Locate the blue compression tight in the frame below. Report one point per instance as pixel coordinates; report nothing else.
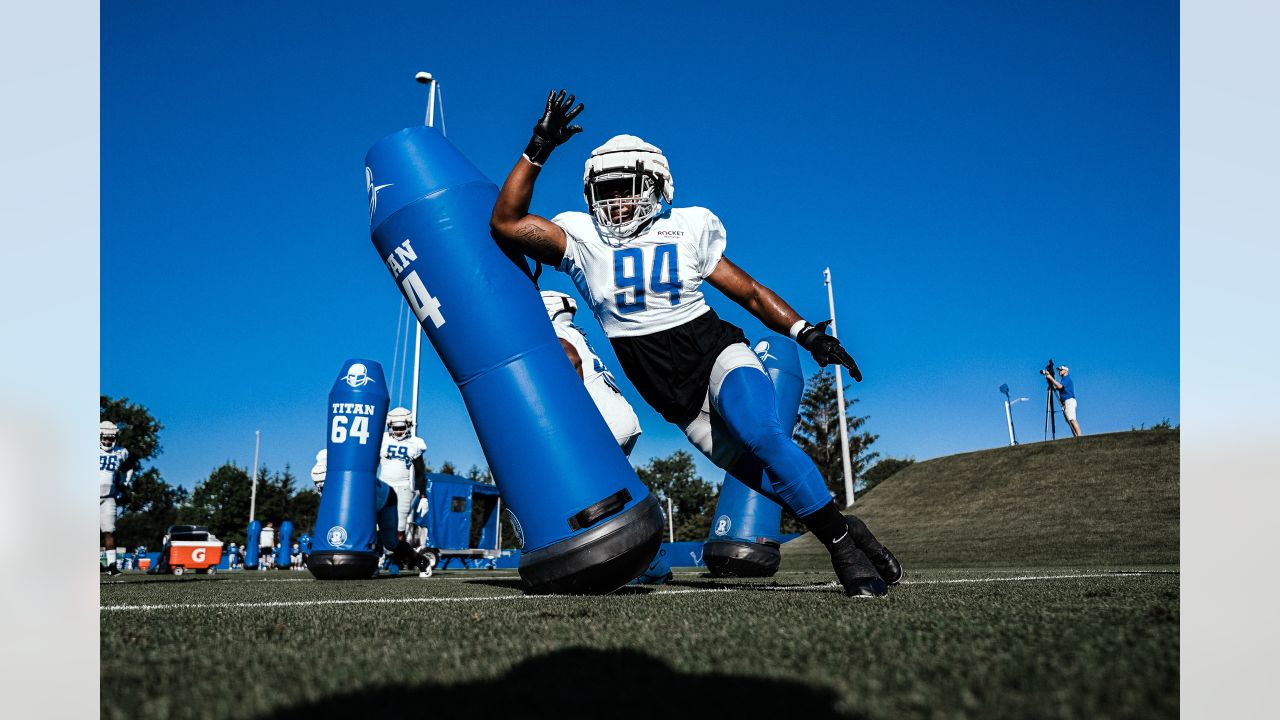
(747, 404)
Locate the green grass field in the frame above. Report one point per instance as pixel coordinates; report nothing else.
(1019, 643)
(1042, 583)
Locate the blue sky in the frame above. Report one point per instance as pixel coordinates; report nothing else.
(990, 186)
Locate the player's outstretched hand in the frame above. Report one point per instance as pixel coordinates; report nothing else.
(553, 128)
(827, 349)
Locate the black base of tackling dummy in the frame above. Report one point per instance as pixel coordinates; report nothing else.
(739, 558)
(600, 560)
(338, 565)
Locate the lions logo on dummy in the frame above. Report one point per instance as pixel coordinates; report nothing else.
(640, 267)
(600, 383)
(111, 479)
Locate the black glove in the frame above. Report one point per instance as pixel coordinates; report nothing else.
(553, 128)
(826, 349)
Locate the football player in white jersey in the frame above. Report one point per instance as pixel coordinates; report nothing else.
(640, 266)
(600, 384)
(403, 469)
(111, 478)
(320, 469)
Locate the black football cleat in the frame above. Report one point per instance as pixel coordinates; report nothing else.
(887, 566)
(113, 571)
(856, 573)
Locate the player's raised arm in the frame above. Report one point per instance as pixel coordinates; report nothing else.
(511, 221)
(769, 308)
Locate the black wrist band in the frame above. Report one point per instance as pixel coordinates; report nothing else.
(538, 150)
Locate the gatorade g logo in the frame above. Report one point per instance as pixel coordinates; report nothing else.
(337, 536)
(357, 375)
(515, 524)
(722, 525)
(197, 555)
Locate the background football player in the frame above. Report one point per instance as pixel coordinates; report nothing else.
(600, 383)
(112, 477)
(640, 266)
(403, 470)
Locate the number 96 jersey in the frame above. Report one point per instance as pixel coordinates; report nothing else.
(651, 282)
(109, 464)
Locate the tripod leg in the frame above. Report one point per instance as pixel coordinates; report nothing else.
(1053, 416)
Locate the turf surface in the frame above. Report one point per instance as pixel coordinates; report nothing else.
(987, 643)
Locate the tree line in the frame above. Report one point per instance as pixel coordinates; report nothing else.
(220, 502)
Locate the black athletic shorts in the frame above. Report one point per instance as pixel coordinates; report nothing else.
(672, 368)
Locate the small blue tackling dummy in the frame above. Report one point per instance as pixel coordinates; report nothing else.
(745, 528)
(345, 546)
(251, 545)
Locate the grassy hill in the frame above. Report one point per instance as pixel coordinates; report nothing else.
(1097, 500)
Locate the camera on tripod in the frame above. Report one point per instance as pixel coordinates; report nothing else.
(1050, 419)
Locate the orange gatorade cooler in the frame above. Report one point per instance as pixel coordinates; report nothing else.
(144, 563)
(199, 555)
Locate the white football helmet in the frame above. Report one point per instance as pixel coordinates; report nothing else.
(399, 423)
(107, 432)
(320, 469)
(557, 303)
(625, 181)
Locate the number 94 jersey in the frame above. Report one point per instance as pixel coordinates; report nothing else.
(650, 283)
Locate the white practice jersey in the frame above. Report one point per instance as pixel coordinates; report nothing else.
(109, 464)
(600, 384)
(652, 282)
(396, 467)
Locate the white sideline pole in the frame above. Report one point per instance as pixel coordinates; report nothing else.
(497, 545)
(426, 78)
(844, 427)
(253, 488)
(671, 522)
(1008, 418)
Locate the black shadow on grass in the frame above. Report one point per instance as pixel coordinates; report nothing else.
(585, 682)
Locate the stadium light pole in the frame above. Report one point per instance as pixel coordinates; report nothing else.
(253, 487)
(427, 79)
(844, 426)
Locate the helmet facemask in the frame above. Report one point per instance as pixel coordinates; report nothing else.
(107, 433)
(399, 423)
(623, 201)
(625, 182)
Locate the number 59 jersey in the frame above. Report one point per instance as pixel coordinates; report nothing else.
(396, 466)
(650, 283)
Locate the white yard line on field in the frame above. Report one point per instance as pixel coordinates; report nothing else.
(655, 593)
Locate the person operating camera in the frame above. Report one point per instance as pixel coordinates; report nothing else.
(1066, 396)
